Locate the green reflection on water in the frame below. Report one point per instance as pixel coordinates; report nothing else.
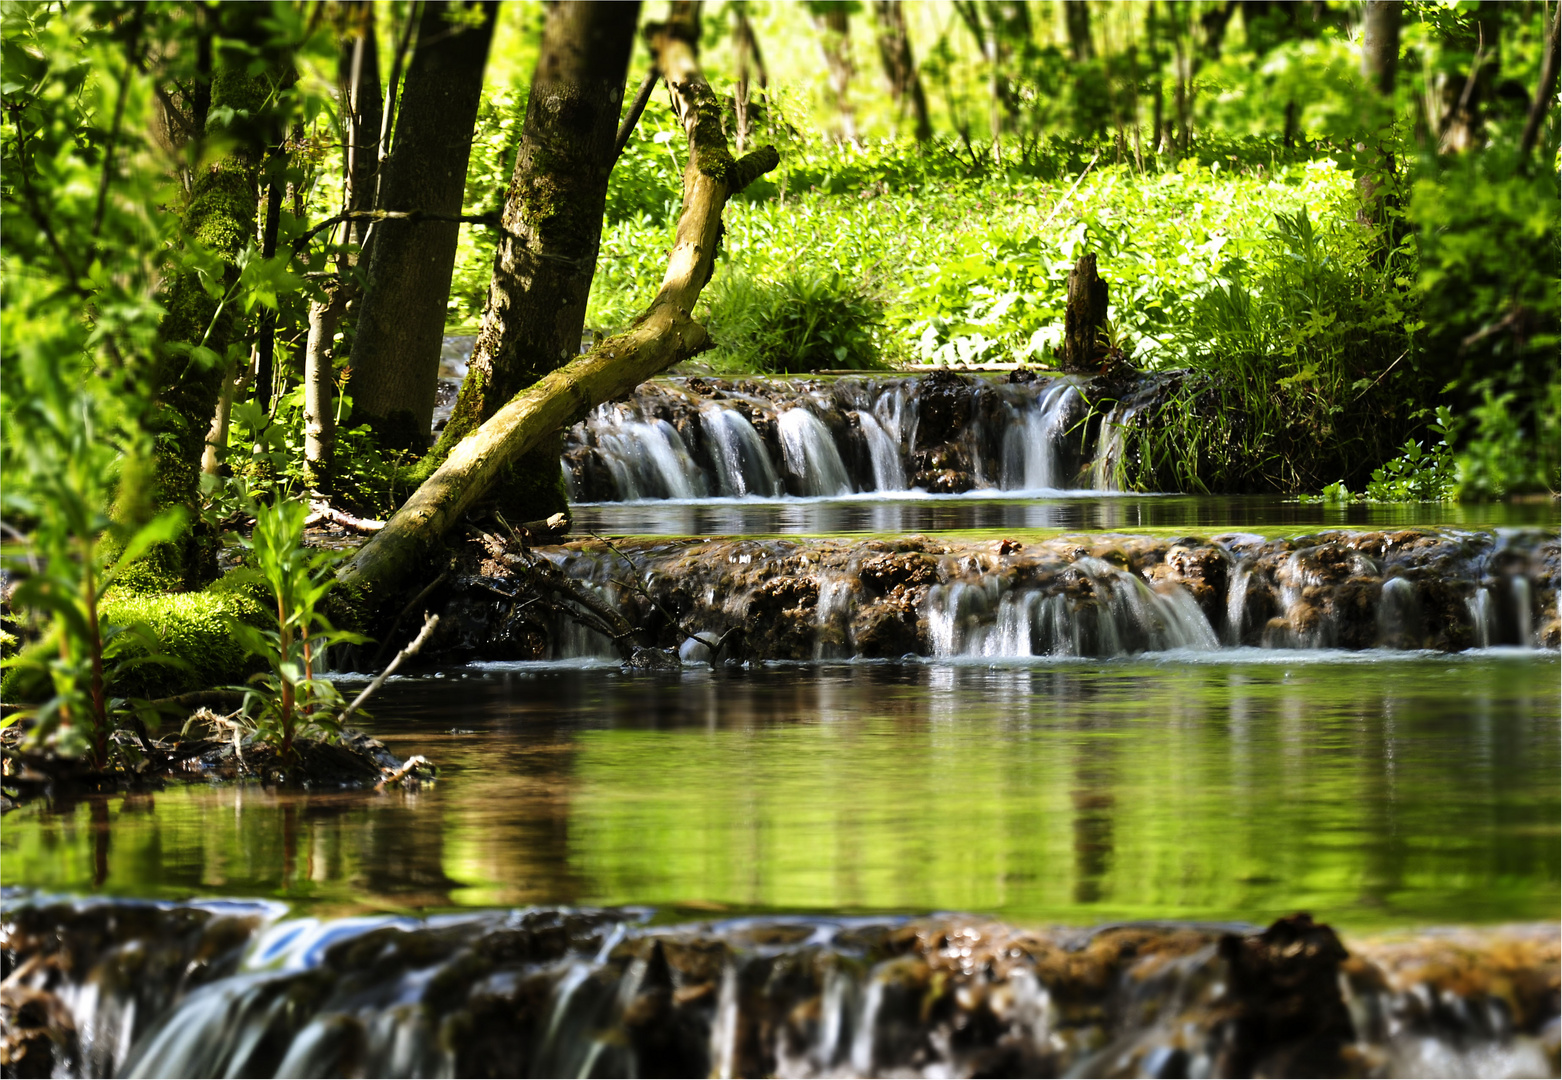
(1373, 792)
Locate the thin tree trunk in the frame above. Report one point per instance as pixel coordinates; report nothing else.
(834, 26)
(1544, 104)
(401, 318)
(662, 336)
(325, 317)
(1465, 123)
(359, 73)
(905, 83)
(547, 254)
(1379, 65)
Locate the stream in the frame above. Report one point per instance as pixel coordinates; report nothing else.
(1006, 775)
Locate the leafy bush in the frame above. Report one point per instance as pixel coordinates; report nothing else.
(803, 322)
(288, 700)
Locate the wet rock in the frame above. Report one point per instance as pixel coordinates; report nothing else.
(882, 573)
(644, 659)
(943, 407)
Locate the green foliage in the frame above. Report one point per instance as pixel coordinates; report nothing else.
(288, 700)
(802, 322)
(59, 470)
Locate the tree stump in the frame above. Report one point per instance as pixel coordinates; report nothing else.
(1084, 317)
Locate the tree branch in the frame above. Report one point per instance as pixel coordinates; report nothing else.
(632, 118)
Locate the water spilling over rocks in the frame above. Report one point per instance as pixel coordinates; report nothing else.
(1071, 596)
(100, 988)
(941, 433)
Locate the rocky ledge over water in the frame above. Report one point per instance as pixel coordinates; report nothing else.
(1083, 595)
(104, 987)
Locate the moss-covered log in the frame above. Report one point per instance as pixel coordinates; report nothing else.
(662, 336)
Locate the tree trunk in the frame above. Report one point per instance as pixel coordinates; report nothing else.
(220, 216)
(325, 316)
(1544, 104)
(547, 255)
(1380, 44)
(363, 112)
(1084, 317)
(662, 336)
(833, 22)
(1465, 122)
(905, 84)
(1379, 64)
(1076, 14)
(401, 318)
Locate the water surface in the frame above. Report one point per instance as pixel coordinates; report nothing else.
(1373, 789)
(996, 511)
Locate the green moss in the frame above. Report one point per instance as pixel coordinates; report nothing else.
(193, 627)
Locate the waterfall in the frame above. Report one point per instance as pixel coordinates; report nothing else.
(1030, 456)
(798, 599)
(743, 466)
(1111, 444)
(889, 474)
(582, 992)
(810, 454)
(690, 439)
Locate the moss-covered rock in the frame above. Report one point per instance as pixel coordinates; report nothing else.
(192, 627)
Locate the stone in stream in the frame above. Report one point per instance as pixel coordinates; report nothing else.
(1087, 595)
(128, 988)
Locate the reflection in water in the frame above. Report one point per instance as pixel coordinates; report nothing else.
(1093, 804)
(1368, 788)
(1084, 511)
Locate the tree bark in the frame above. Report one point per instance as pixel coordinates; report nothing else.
(221, 217)
(1084, 317)
(662, 336)
(401, 318)
(1379, 65)
(358, 73)
(363, 113)
(547, 254)
(905, 84)
(1380, 44)
(325, 316)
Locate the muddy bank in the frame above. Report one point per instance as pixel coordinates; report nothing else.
(1099, 596)
(210, 749)
(110, 987)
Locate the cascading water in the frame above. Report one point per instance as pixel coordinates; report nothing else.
(809, 439)
(742, 465)
(1071, 597)
(544, 992)
(1030, 454)
(810, 454)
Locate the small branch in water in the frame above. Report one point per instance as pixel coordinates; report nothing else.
(409, 766)
(688, 634)
(323, 511)
(410, 651)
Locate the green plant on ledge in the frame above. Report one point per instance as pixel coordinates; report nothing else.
(289, 700)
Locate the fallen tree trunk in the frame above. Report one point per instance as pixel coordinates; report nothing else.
(662, 336)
